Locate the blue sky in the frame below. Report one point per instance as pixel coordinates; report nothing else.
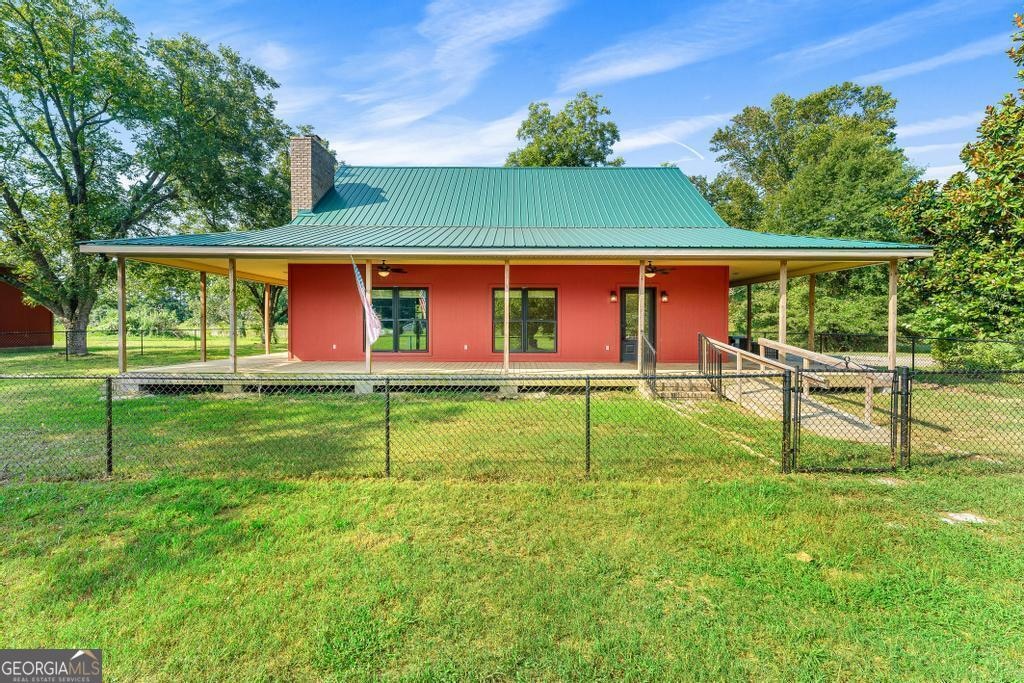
(448, 81)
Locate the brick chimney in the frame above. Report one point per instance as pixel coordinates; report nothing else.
(312, 169)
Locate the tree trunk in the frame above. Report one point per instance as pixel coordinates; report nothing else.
(75, 337)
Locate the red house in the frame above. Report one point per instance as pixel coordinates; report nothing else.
(502, 266)
(22, 324)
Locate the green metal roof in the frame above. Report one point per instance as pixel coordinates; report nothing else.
(512, 198)
(441, 208)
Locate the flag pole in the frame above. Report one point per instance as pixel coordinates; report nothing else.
(369, 297)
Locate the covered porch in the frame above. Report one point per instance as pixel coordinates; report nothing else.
(281, 364)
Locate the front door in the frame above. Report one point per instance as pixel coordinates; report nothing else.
(628, 305)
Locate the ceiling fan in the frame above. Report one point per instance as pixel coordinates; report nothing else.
(650, 270)
(383, 270)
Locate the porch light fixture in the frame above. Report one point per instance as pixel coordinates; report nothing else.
(664, 297)
(613, 297)
(383, 270)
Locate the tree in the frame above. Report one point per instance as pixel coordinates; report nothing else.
(735, 199)
(102, 136)
(578, 135)
(974, 285)
(767, 147)
(824, 165)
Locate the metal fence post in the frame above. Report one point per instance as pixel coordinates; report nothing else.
(67, 346)
(587, 418)
(913, 351)
(787, 414)
(387, 426)
(905, 396)
(110, 426)
(142, 344)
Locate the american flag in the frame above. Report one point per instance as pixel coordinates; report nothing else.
(373, 326)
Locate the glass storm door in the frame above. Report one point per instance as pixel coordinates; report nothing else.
(628, 305)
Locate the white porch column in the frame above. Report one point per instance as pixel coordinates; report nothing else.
(202, 317)
(232, 316)
(369, 296)
(266, 318)
(122, 349)
(641, 318)
(893, 279)
(811, 283)
(750, 316)
(783, 299)
(505, 321)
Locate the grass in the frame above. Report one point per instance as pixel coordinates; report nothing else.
(721, 575)
(233, 542)
(147, 352)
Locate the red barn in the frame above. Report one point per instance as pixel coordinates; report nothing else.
(20, 323)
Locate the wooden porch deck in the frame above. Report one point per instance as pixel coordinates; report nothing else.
(279, 364)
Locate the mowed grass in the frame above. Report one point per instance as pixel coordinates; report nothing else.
(254, 537)
(721, 575)
(149, 351)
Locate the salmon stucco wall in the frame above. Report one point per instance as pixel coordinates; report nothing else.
(325, 317)
(35, 322)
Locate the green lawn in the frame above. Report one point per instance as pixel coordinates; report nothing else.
(721, 575)
(254, 537)
(148, 351)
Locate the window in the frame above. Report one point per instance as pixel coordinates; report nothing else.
(532, 320)
(403, 318)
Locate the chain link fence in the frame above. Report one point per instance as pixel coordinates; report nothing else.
(508, 427)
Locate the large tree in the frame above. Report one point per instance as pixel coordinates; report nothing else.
(827, 165)
(974, 286)
(104, 136)
(578, 135)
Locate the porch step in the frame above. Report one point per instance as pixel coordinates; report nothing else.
(686, 395)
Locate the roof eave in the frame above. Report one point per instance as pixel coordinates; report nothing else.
(836, 253)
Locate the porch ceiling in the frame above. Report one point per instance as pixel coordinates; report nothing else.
(742, 271)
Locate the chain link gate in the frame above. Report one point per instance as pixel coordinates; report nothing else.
(843, 426)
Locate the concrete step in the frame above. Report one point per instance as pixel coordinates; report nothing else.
(686, 395)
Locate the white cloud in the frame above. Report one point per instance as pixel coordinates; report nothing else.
(454, 141)
(941, 172)
(420, 73)
(669, 133)
(698, 37)
(274, 56)
(940, 125)
(979, 48)
(869, 38)
(929, 149)
(293, 100)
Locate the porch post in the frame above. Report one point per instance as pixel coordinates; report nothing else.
(202, 316)
(369, 296)
(122, 351)
(505, 323)
(750, 316)
(893, 278)
(811, 282)
(232, 316)
(783, 296)
(266, 318)
(641, 318)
